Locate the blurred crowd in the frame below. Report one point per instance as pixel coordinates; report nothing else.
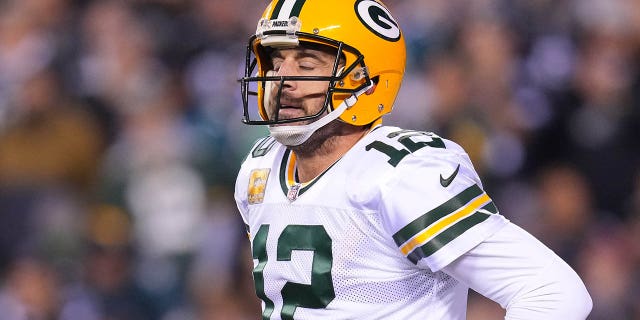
(120, 138)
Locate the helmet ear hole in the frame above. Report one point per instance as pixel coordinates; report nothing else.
(375, 81)
(372, 90)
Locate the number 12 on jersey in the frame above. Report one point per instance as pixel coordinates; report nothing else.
(316, 295)
(404, 137)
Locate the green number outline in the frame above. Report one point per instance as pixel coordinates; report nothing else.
(404, 137)
(260, 253)
(316, 295)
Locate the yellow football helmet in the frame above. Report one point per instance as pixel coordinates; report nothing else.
(365, 36)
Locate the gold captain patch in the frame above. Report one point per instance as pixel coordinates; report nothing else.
(257, 185)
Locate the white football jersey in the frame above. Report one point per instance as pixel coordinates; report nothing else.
(366, 239)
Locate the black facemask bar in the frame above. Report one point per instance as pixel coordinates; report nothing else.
(251, 114)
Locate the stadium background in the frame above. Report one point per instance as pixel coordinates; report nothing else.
(120, 137)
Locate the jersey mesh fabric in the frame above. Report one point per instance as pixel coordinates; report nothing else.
(369, 274)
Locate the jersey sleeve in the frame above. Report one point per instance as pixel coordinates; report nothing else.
(526, 278)
(435, 207)
(242, 189)
(240, 193)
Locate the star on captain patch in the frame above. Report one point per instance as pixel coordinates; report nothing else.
(257, 185)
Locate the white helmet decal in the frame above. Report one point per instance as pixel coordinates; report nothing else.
(377, 19)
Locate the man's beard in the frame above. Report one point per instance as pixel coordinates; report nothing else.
(274, 110)
(321, 139)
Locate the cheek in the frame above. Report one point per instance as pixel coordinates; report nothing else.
(315, 104)
(314, 89)
(316, 95)
(270, 93)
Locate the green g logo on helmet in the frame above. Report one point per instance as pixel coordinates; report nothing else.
(377, 19)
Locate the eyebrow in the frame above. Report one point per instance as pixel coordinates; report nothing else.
(300, 53)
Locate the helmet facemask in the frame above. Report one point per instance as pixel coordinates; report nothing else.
(262, 103)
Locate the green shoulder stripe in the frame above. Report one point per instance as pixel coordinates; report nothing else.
(434, 215)
(446, 236)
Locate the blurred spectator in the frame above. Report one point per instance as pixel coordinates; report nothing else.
(153, 159)
(607, 269)
(107, 288)
(565, 210)
(49, 154)
(218, 281)
(30, 291)
(51, 139)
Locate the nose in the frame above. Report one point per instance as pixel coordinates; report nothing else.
(287, 69)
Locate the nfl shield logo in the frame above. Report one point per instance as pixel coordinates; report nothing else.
(292, 195)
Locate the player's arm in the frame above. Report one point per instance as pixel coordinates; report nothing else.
(524, 276)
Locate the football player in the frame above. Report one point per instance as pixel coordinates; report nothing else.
(350, 219)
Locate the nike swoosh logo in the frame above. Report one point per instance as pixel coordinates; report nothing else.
(446, 182)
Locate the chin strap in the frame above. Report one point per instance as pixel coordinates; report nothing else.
(297, 135)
